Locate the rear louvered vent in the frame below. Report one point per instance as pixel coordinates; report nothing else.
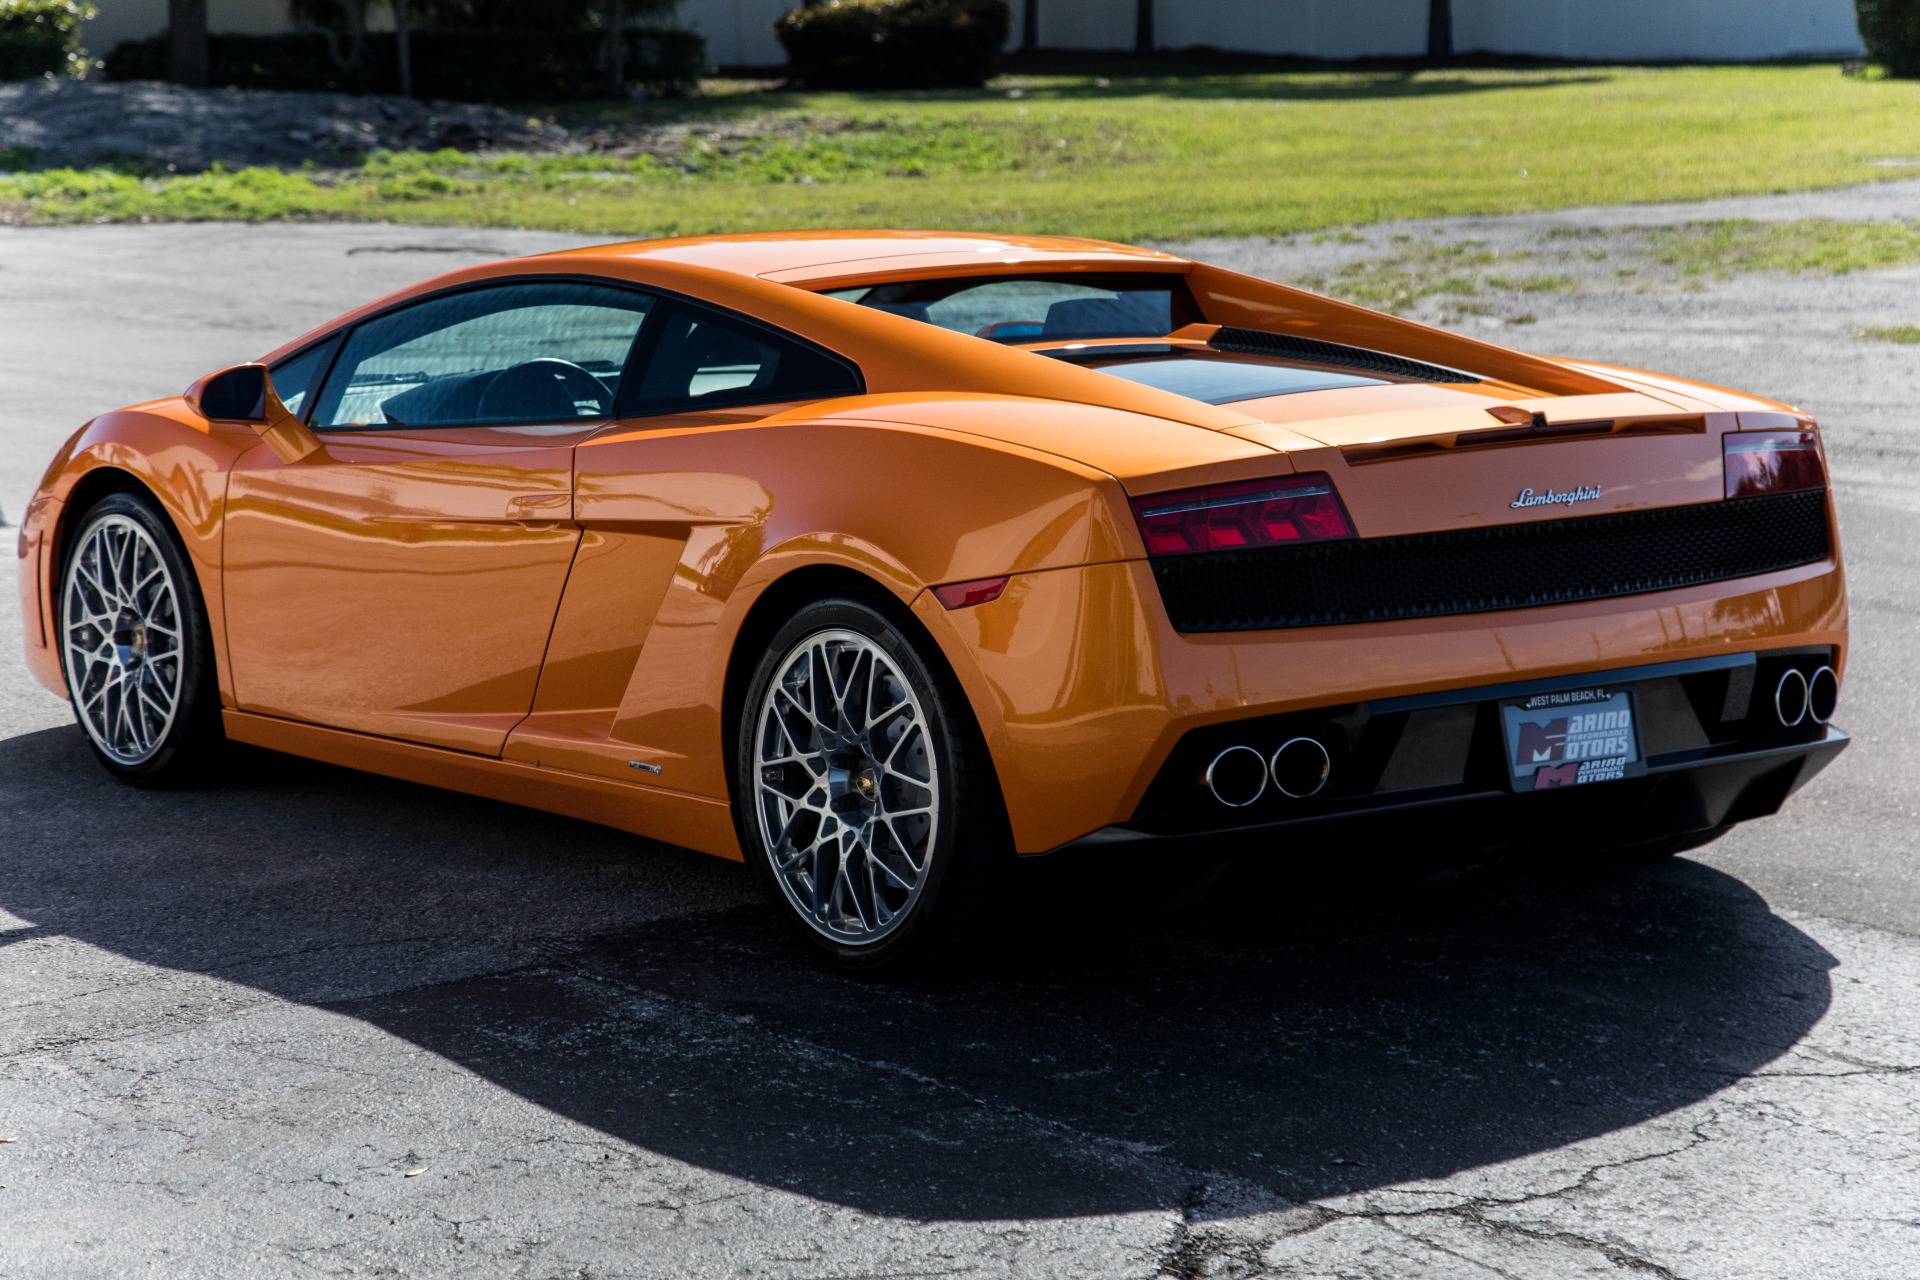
(1508, 566)
(1293, 347)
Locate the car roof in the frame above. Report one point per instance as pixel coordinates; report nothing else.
(816, 259)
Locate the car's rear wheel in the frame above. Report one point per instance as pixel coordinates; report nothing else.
(136, 645)
(867, 802)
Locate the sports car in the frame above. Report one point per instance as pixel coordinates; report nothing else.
(926, 571)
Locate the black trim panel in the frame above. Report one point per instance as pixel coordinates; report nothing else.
(1671, 801)
(1292, 346)
(1494, 568)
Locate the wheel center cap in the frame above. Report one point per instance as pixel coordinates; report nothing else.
(853, 784)
(130, 639)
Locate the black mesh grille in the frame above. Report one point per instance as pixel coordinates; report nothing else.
(1513, 566)
(1294, 347)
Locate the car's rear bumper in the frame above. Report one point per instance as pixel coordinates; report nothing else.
(1088, 697)
(1672, 799)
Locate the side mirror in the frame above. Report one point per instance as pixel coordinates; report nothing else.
(245, 393)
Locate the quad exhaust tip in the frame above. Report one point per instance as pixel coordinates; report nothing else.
(1300, 768)
(1239, 775)
(1823, 694)
(1236, 777)
(1790, 697)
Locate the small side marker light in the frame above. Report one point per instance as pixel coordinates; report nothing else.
(964, 595)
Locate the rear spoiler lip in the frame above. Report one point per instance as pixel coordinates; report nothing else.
(1495, 437)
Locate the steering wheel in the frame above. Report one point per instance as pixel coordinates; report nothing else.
(544, 390)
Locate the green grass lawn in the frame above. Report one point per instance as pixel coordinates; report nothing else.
(1129, 159)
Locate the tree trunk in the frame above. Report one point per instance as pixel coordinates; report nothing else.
(1143, 27)
(347, 60)
(1030, 27)
(187, 42)
(403, 46)
(614, 18)
(1439, 30)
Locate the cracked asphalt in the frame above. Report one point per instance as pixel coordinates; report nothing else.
(305, 1022)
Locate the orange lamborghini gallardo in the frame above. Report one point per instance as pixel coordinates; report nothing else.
(911, 567)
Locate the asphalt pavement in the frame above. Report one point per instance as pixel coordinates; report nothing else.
(309, 1022)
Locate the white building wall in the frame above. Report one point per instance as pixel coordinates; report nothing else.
(740, 32)
(1304, 28)
(119, 20)
(1657, 30)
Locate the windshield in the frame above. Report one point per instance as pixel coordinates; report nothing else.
(1039, 308)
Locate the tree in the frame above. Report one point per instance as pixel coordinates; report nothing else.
(613, 25)
(1439, 30)
(1891, 31)
(1143, 27)
(187, 42)
(403, 46)
(331, 18)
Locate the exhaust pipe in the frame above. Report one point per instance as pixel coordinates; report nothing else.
(1236, 777)
(1300, 768)
(1790, 698)
(1823, 695)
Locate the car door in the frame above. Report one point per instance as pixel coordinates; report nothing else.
(672, 514)
(403, 581)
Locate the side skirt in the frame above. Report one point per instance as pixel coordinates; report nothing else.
(695, 822)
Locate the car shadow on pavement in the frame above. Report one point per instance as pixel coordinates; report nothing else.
(1293, 1042)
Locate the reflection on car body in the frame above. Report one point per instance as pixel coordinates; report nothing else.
(915, 568)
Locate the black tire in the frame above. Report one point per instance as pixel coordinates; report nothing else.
(144, 748)
(953, 920)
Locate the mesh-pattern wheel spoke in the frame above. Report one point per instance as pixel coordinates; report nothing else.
(846, 792)
(121, 628)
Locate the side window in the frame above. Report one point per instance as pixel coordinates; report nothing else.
(701, 358)
(293, 378)
(518, 353)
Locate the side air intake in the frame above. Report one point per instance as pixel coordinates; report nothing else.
(1293, 347)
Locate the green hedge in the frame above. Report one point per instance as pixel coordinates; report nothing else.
(895, 44)
(1891, 30)
(462, 66)
(41, 37)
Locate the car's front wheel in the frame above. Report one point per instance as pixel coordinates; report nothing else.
(867, 802)
(136, 644)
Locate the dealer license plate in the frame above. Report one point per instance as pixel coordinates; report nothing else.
(1571, 738)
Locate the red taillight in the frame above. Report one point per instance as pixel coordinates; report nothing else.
(1772, 462)
(1251, 513)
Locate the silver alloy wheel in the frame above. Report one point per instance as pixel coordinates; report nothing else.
(121, 628)
(847, 789)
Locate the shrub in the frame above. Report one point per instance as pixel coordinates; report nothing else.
(41, 37)
(895, 44)
(460, 65)
(1891, 30)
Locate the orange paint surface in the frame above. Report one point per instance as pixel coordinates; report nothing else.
(553, 614)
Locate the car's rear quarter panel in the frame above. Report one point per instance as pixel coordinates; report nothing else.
(723, 512)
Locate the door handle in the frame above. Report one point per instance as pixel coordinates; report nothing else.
(537, 506)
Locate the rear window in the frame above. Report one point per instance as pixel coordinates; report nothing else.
(1039, 308)
(1213, 378)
